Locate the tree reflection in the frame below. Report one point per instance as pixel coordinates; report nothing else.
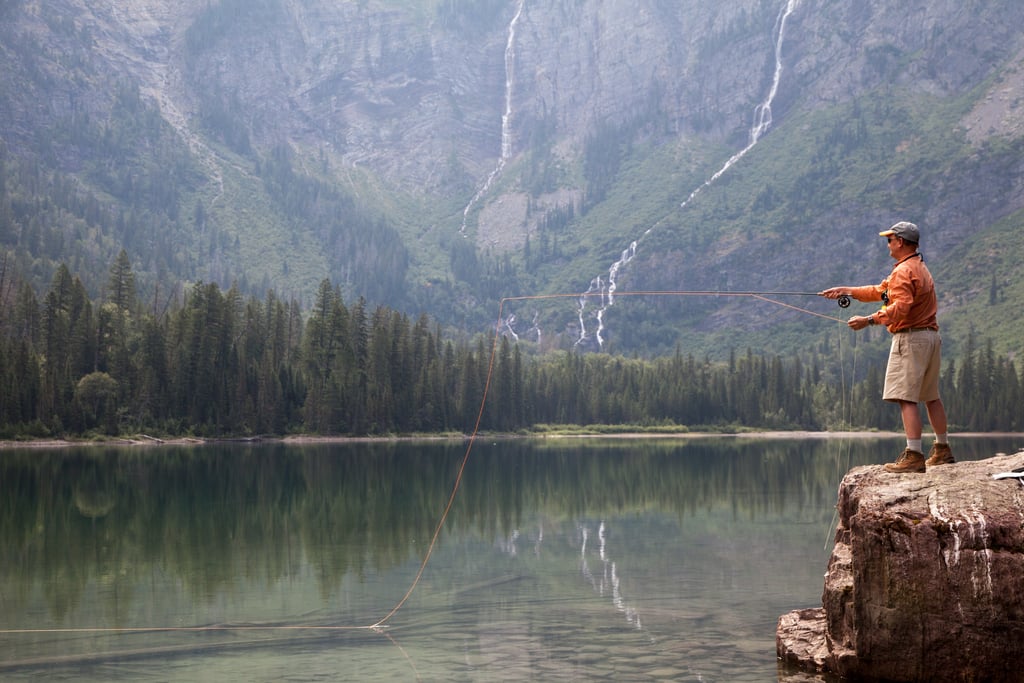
(208, 515)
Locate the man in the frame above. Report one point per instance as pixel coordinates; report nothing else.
(912, 374)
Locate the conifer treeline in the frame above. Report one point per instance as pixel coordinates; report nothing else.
(217, 364)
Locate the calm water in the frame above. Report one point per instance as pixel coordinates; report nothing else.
(560, 560)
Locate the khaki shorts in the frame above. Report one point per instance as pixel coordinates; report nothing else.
(913, 370)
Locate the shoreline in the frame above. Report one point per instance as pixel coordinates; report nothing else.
(150, 441)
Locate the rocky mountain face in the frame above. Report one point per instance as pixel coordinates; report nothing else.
(408, 89)
(457, 119)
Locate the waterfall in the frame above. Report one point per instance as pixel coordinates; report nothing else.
(506, 117)
(763, 111)
(762, 122)
(508, 324)
(510, 74)
(606, 294)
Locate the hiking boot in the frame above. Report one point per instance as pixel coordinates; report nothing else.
(940, 455)
(909, 461)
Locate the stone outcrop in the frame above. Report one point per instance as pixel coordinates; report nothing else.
(924, 581)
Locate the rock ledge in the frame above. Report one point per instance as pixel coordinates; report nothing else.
(925, 579)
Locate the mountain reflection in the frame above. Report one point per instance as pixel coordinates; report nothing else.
(211, 514)
(570, 559)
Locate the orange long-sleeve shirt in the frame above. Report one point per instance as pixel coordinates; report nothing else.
(911, 293)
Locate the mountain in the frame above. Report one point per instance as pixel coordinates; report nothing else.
(440, 155)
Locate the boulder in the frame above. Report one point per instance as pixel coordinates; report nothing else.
(925, 581)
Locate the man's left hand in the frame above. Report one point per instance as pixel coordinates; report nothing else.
(858, 322)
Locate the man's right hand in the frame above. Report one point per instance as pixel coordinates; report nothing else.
(834, 292)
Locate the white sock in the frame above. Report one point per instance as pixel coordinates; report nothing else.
(914, 444)
(942, 438)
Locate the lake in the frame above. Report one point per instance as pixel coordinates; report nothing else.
(560, 559)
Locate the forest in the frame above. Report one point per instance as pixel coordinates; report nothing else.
(215, 363)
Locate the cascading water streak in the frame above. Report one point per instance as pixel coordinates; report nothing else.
(762, 122)
(506, 117)
(763, 111)
(510, 71)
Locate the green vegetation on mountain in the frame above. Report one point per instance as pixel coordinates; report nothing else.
(261, 149)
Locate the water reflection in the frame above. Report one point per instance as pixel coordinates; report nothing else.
(606, 581)
(560, 559)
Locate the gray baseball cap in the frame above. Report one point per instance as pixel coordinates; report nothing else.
(908, 231)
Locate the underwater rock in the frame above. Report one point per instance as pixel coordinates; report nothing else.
(924, 581)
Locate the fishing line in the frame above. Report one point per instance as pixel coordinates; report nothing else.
(843, 301)
(380, 624)
(845, 420)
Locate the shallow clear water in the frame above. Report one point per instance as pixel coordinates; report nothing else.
(560, 560)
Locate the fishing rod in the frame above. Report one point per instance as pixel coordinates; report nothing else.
(843, 300)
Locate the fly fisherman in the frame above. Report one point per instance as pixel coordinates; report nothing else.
(912, 374)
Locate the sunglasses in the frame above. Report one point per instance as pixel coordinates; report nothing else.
(890, 238)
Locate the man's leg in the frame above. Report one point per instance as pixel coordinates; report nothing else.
(911, 421)
(940, 453)
(911, 460)
(936, 416)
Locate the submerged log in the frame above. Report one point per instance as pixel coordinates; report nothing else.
(925, 581)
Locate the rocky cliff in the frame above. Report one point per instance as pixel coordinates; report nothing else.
(407, 88)
(924, 579)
